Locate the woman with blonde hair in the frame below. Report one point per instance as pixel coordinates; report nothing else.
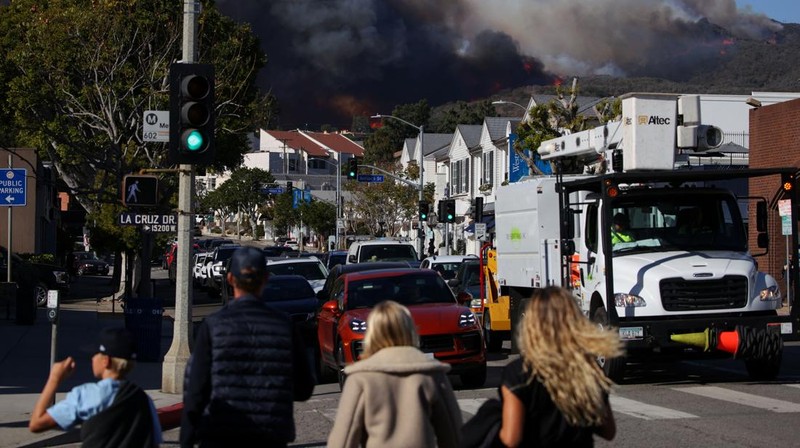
(395, 395)
(556, 394)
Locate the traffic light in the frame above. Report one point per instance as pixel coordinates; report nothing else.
(477, 209)
(450, 210)
(191, 114)
(424, 209)
(787, 182)
(289, 186)
(352, 168)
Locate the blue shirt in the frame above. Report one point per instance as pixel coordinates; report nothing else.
(87, 400)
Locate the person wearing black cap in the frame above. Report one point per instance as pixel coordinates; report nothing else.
(113, 411)
(247, 368)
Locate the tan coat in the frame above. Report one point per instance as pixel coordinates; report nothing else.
(398, 397)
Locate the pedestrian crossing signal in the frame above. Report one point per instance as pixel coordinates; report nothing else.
(139, 190)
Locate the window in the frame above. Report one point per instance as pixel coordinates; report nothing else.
(459, 176)
(488, 168)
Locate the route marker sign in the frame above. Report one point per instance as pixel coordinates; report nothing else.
(13, 187)
(370, 177)
(155, 126)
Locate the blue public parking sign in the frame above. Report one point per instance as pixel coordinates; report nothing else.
(13, 187)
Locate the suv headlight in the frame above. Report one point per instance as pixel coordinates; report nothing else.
(358, 325)
(467, 319)
(626, 300)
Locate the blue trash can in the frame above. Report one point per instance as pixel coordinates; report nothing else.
(143, 320)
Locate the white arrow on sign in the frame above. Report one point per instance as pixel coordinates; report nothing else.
(9, 198)
(146, 227)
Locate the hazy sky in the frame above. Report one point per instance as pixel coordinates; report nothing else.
(786, 11)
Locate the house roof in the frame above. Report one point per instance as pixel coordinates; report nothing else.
(434, 142)
(471, 133)
(497, 126)
(338, 143)
(298, 142)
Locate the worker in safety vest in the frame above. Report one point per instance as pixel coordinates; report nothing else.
(620, 229)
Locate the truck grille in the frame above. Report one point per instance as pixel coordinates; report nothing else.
(728, 292)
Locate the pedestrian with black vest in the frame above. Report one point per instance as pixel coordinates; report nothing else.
(113, 411)
(247, 368)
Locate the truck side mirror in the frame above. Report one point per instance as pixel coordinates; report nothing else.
(761, 217)
(763, 240)
(351, 259)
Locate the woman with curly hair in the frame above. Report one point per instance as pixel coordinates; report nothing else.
(556, 394)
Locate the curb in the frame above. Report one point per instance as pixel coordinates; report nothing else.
(170, 416)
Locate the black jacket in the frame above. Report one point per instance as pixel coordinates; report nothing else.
(128, 422)
(247, 368)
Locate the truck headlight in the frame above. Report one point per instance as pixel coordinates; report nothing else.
(358, 325)
(625, 300)
(770, 294)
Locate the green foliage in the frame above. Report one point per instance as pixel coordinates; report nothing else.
(39, 258)
(391, 202)
(461, 112)
(379, 148)
(78, 76)
(320, 217)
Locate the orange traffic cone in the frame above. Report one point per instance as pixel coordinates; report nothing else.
(728, 341)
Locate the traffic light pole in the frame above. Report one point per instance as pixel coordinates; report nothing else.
(174, 365)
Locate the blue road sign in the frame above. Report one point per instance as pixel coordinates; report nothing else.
(273, 190)
(13, 187)
(370, 177)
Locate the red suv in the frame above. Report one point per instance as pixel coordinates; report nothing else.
(448, 330)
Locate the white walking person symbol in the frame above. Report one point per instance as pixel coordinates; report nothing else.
(132, 190)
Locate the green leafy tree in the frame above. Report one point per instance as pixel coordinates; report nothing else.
(547, 121)
(462, 113)
(383, 208)
(320, 217)
(379, 148)
(78, 76)
(283, 214)
(242, 193)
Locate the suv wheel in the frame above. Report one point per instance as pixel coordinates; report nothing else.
(40, 293)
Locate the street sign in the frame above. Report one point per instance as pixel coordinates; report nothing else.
(155, 126)
(370, 177)
(13, 183)
(154, 222)
(480, 230)
(273, 190)
(140, 190)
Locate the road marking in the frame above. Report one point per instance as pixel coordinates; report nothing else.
(470, 405)
(645, 411)
(732, 396)
(330, 414)
(793, 385)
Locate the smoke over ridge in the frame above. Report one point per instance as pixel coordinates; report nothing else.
(331, 59)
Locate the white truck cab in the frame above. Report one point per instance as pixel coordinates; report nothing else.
(382, 250)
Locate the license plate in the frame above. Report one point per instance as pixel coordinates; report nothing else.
(628, 333)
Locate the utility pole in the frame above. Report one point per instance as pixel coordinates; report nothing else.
(174, 366)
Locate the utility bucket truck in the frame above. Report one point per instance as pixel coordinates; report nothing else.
(675, 275)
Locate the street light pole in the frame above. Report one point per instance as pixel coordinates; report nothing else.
(420, 234)
(338, 166)
(510, 102)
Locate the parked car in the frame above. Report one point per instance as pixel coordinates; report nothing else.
(445, 265)
(277, 251)
(33, 279)
(448, 330)
(467, 285)
(199, 268)
(334, 257)
(217, 269)
(87, 263)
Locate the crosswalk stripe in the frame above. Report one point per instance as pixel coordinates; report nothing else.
(732, 396)
(645, 411)
(470, 405)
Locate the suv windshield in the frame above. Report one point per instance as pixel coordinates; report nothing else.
(407, 289)
(309, 270)
(668, 222)
(388, 252)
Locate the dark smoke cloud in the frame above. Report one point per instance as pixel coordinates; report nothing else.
(331, 59)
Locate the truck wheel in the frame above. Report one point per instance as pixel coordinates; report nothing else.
(614, 368)
(493, 340)
(762, 369)
(474, 378)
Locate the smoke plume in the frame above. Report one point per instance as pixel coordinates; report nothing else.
(331, 59)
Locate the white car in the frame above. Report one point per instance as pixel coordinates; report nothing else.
(382, 250)
(446, 265)
(198, 269)
(311, 268)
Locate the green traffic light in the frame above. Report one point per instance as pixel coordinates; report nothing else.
(193, 140)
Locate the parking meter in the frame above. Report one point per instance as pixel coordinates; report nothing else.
(52, 305)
